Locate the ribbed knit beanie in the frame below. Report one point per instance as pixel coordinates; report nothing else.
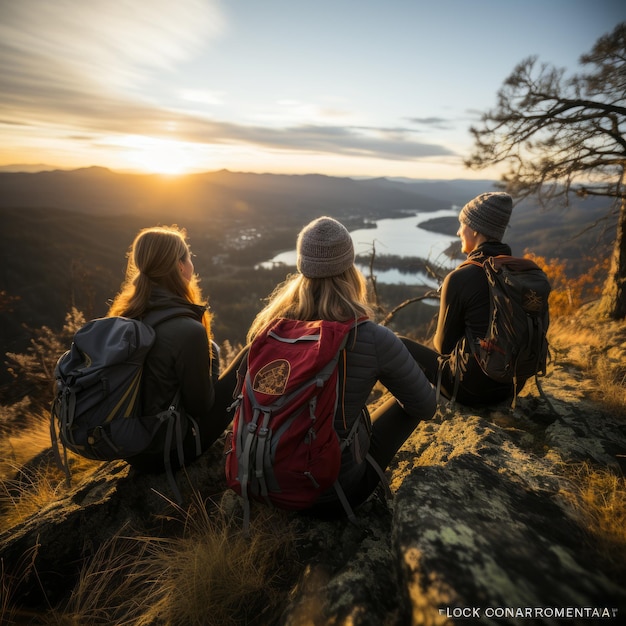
(488, 213)
(324, 249)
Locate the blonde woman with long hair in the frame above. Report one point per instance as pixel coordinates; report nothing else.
(160, 276)
(329, 287)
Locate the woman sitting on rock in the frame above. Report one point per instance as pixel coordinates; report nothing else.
(160, 278)
(464, 310)
(329, 287)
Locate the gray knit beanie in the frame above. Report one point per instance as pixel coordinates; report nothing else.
(324, 249)
(488, 213)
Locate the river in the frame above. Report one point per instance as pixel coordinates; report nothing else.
(400, 237)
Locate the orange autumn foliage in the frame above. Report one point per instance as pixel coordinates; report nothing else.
(569, 293)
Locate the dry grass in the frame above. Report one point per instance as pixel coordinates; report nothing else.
(611, 385)
(20, 499)
(212, 574)
(29, 477)
(104, 592)
(215, 574)
(599, 497)
(25, 491)
(10, 582)
(17, 448)
(599, 351)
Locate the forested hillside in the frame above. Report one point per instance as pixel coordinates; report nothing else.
(64, 235)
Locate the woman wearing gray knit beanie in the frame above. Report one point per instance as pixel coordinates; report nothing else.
(328, 286)
(464, 307)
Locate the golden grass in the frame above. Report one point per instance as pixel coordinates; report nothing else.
(21, 499)
(611, 386)
(106, 592)
(587, 348)
(25, 492)
(25, 486)
(216, 574)
(16, 449)
(598, 495)
(212, 574)
(9, 583)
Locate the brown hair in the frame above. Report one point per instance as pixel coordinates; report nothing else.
(153, 259)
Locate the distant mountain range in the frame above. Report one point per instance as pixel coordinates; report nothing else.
(219, 194)
(276, 206)
(30, 168)
(64, 234)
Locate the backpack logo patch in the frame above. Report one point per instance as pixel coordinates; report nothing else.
(532, 301)
(272, 378)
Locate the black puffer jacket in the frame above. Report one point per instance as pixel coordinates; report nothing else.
(374, 353)
(180, 357)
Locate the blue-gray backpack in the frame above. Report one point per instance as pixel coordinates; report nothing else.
(97, 405)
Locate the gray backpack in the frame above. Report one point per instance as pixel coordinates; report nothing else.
(515, 346)
(97, 404)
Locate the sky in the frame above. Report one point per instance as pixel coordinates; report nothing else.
(337, 87)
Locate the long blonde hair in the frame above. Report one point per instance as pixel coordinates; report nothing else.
(153, 259)
(337, 298)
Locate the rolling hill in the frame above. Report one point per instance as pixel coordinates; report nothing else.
(64, 234)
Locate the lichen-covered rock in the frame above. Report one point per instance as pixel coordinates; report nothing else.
(479, 529)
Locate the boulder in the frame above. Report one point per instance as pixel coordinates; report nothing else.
(483, 526)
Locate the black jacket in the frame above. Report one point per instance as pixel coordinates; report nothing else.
(464, 313)
(180, 357)
(464, 302)
(374, 353)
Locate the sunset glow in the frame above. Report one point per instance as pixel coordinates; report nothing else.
(159, 156)
(350, 89)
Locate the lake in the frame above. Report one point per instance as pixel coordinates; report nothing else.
(400, 237)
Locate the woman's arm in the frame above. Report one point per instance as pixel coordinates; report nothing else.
(402, 376)
(451, 320)
(196, 371)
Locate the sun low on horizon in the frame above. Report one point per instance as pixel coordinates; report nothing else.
(152, 155)
(143, 154)
(202, 85)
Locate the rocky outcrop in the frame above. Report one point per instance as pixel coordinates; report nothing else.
(483, 527)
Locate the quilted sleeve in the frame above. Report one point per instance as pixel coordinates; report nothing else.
(401, 375)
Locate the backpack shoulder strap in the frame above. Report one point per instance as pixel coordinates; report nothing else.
(155, 317)
(514, 263)
(470, 262)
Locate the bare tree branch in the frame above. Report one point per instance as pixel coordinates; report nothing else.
(429, 295)
(564, 137)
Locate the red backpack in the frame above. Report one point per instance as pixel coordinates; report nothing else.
(284, 449)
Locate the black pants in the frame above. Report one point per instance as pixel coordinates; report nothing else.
(209, 429)
(475, 388)
(391, 427)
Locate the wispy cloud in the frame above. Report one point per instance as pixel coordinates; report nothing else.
(80, 45)
(80, 67)
(441, 123)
